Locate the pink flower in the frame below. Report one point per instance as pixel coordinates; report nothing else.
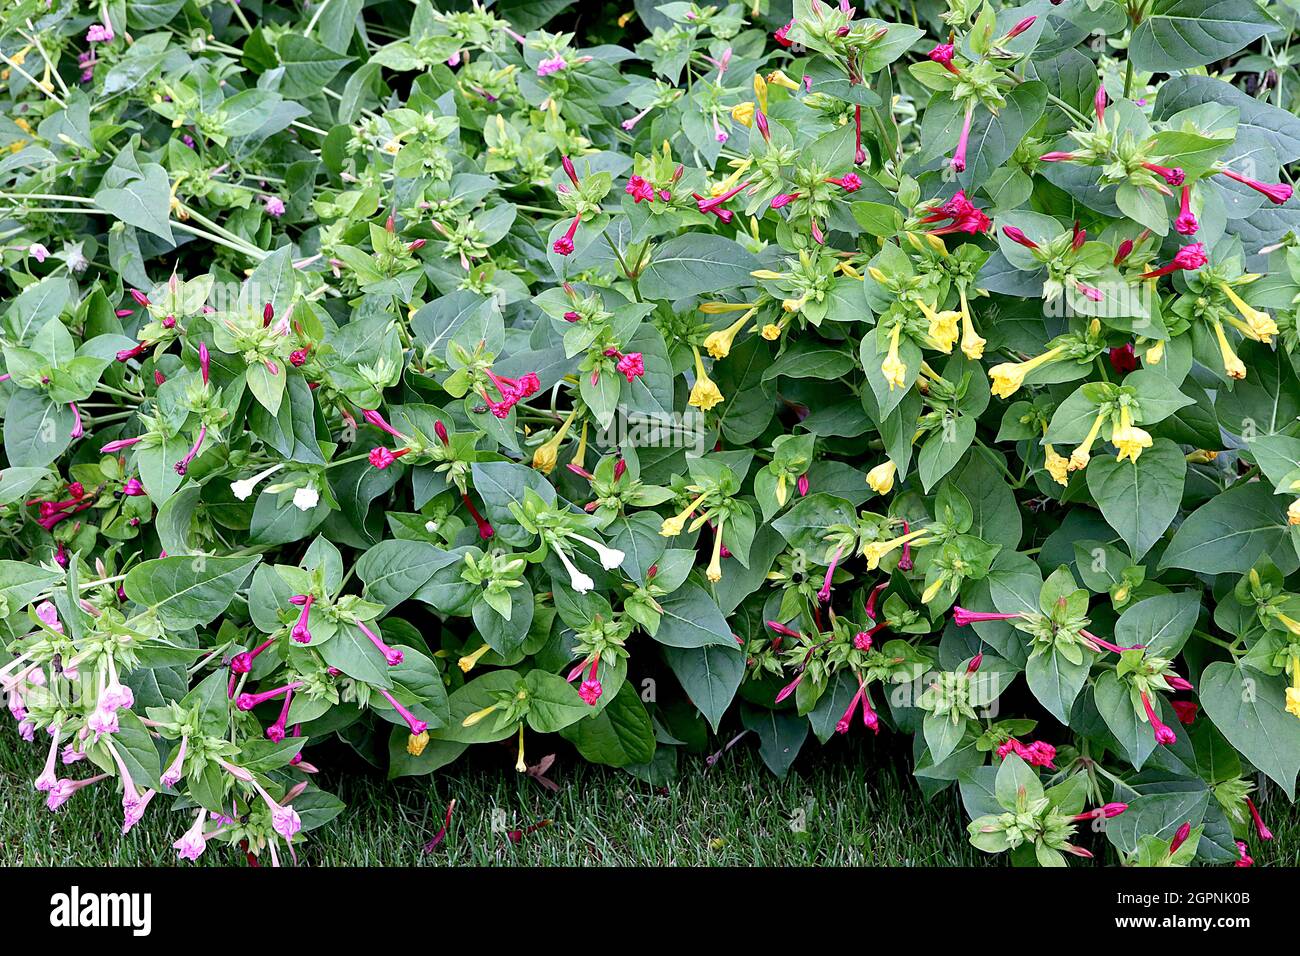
(862, 641)
(192, 844)
(632, 365)
(962, 617)
(1277, 193)
(824, 594)
(1190, 257)
(274, 206)
(783, 199)
(639, 189)
(391, 654)
(1018, 236)
(564, 245)
(49, 616)
(414, 723)
(100, 33)
(590, 692)
(1164, 733)
(553, 65)
(1173, 175)
(1264, 832)
(1186, 223)
(1180, 837)
(849, 182)
(38, 252)
(1056, 157)
(1020, 27)
(959, 157)
(943, 54)
(1186, 710)
(382, 457)
(1244, 858)
(781, 36)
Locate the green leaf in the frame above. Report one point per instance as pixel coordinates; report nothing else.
(694, 264)
(710, 676)
(187, 591)
(620, 735)
(1139, 499)
(1229, 532)
(1250, 710)
(143, 202)
(1178, 34)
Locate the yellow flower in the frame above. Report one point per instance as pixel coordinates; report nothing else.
(1293, 692)
(743, 113)
(714, 572)
(546, 455)
(1058, 466)
(520, 764)
(760, 92)
(416, 743)
(704, 394)
(881, 478)
(719, 343)
(777, 78)
(1128, 439)
(1232, 364)
(1293, 701)
(794, 305)
(478, 715)
(930, 592)
(1156, 353)
(781, 492)
(1080, 456)
(722, 308)
(892, 367)
(771, 332)
(22, 124)
(1259, 325)
(767, 274)
(673, 526)
(1201, 456)
(876, 551)
(972, 345)
(943, 329)
(1293, 512)
(877, 275)
(467, 662)
(625, 18)
(1009, 376)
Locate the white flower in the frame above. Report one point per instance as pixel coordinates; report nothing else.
(610, 558)
(244, 488)
(580, 582)
(306, 498)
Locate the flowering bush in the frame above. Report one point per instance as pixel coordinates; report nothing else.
(428, 378)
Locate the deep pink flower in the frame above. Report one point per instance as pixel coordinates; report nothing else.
(639, 189)
(1277, 193)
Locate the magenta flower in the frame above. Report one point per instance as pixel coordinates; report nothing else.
(824, 594)
(1186, 223)
(1276, 193)
(639, 189)
(1020, 28)
(1173, 175)
(962, 617)
(416, 725)
(1189, 257)
(943, 54)
(183, 465)
(1017, 236)
(273, 205)
(632, 365)
(959, 157)
(300, 633)
(1164, 733)
(391, 655)
(552, 65)
(564, 245)
(100, 33)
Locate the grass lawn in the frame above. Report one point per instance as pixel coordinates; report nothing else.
(850, 805)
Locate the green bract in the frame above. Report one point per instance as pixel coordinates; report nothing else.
(433, 377)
